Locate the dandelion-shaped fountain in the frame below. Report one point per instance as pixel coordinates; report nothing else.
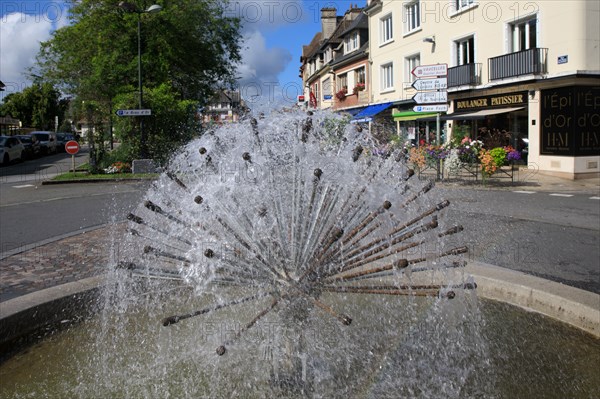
(296, 220)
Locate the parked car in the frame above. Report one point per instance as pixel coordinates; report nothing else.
(27, 146)
(61, 140)
(43, 143)
(11, 149)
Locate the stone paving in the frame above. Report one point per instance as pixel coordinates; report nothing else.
(62, 261)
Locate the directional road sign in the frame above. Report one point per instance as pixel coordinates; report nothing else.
(431, 97)
(431, 84)
(134, 112)
(431, 108)
(430, 71)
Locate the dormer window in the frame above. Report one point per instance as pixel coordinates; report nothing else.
(352, 42)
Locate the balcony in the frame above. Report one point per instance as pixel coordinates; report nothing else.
(464, 75)
(527, 62)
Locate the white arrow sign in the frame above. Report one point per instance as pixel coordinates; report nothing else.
(430, 71)
(430, 97)
(431, 108)
(431, 84)
(134, 112)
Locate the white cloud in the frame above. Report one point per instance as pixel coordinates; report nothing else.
(261, 65)
(20, 37)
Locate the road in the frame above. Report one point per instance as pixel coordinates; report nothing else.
(32, 213)
(551, 236)
(545, 234)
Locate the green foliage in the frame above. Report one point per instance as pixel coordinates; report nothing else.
(36, 106)
(187, 51)
(499, 156)
(173, 122)
(458, 134)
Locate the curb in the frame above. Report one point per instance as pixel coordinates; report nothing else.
(570, 305)
(25, 315)
(30, 316)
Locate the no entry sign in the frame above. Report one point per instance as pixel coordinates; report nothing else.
(72, 147)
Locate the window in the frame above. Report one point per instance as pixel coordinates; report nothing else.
(411, 63)
(352, 42)
(462, 4)
(327, 88)
(317, 93)
(386, 29)
(412, 16)
(328, 55)
(387, 77)
(342, 82)
(361, 76)
(523, 35)
(465, 51)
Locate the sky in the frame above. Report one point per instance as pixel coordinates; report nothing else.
(273, 32)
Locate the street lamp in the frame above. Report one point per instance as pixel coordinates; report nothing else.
(132, 8)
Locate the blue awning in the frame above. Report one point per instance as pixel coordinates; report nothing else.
(353, 111)
(367, 114)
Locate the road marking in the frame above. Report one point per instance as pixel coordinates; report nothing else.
(24, 185)
(524, 192)
(561, 195)
(598, 198)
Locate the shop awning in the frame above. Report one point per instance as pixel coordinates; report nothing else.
(352, 111)
(410, 115)
(367, 114)
(473, 115)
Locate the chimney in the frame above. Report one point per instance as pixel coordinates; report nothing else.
(328, 22)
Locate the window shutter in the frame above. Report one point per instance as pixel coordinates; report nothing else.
(351, 81)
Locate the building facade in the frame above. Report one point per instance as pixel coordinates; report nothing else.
(225, 107)
(334, 65)
(529, 70)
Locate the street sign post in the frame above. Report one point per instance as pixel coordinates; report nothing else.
(134, 112)
(72, 147)
(430, 71)
(431, 84)
(430, 97)
(431, 108)
(435, 87)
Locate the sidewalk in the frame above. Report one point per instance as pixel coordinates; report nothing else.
(530, 182)
(85, 255)
(59, 262)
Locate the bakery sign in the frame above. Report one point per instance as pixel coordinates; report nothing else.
(493, 101)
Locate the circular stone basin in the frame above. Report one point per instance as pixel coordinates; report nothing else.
(127, 353)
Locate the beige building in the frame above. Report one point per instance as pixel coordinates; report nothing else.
(528, 69)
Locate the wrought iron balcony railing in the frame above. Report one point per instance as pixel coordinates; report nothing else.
(527, 62)
(468, 74)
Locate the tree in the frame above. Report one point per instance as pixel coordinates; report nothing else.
(190, 46)
(36, 106)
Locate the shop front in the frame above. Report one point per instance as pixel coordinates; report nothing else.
(569, 131)
(496, 119)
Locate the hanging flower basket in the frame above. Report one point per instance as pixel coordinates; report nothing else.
(358, 87)
(341, 95)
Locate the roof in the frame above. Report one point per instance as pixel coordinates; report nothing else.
(361, 52)
(361, 22)
(313, 46)
(225, 96)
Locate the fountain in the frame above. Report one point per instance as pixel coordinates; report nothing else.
(289, 213)
(286, 257)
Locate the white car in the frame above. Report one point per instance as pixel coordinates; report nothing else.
(11, 149)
